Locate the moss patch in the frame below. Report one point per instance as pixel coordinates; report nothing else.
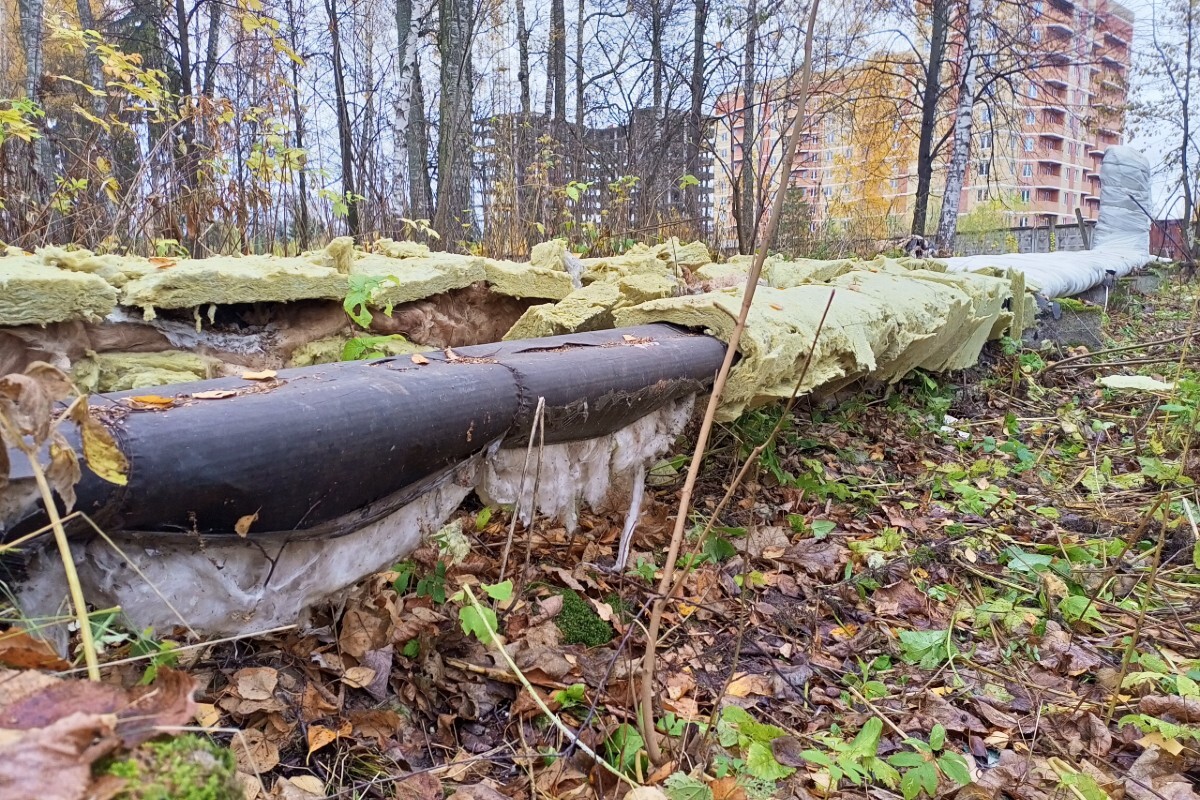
(184, 768)
(579, 622)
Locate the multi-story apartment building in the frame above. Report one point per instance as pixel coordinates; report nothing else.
(1038, 161)
(1044, 162)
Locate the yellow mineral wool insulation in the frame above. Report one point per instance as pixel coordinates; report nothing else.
(586, 309)
(191, 283)
(332, 348)
(551, 254)
(400, 249)
(339, 254)
(881, 323)
(116, 270)
(691, 255)
(34, 293)
(527, 280)
(115, 372)
(409, 279)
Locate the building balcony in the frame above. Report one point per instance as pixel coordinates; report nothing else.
(1060, 30)
(1113, 38)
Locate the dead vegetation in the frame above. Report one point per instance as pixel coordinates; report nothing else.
(982, 584)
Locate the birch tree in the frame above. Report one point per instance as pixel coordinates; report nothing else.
(960, 153)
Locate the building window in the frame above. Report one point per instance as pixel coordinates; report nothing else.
(1035, 34)
(1030, 117)
(1024, 222)
(828, 192)
(985, 141)
(1038, 7)
(1032, 89)
(984, 169)
(1024, 196)
(1027, 171)
(1028, 144)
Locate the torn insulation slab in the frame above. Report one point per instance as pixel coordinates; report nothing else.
(116, 372)
(223, 281)
(881, 323)
(527, 280)
(410, 279)
(586, 309)
(34, 293)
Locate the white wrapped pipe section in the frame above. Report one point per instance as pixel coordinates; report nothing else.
(1121, 243)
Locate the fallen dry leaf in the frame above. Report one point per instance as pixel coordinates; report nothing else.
(160, 262)
(254, 752)
(420, 786)
(417, 358)
(19, 649)
(152, 400)
(359, 677)
(727, 788)
(1173, 707)
(258, 375)
(242, 526)
(300, 787)
(215, 394)
(207, 715)
(320, 736)
(255, 683)
(746, 684)
(66, 750)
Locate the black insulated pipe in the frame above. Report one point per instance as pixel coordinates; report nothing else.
(314, 444)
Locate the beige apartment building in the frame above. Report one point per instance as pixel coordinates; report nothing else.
(856, 166)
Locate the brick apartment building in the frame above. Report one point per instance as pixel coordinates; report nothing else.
(1040, 162)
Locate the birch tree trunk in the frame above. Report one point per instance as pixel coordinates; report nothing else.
(747, 214)
(453, 218)
(695, 121)
(960, 154)
(342, 106)
(939, 25)
(32, 25)
(523, 61)
(303, 227)
(420, 189)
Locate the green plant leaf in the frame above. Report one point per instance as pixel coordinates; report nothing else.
(483, 518)
(954, 766)
(499, 591)
(937, 736)
(571, 696)
(623, 746)
(684, 787)
(910, 785)
(866, 743)
(906, 760)
(929, 777)
(822, 527)
(761, 763)
(472, 620)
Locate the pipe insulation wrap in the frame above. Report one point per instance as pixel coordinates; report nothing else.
(1122, 235)
(320, 444)
(227, 585)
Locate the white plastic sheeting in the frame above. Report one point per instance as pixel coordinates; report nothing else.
(1121, 243)
(227, 585)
